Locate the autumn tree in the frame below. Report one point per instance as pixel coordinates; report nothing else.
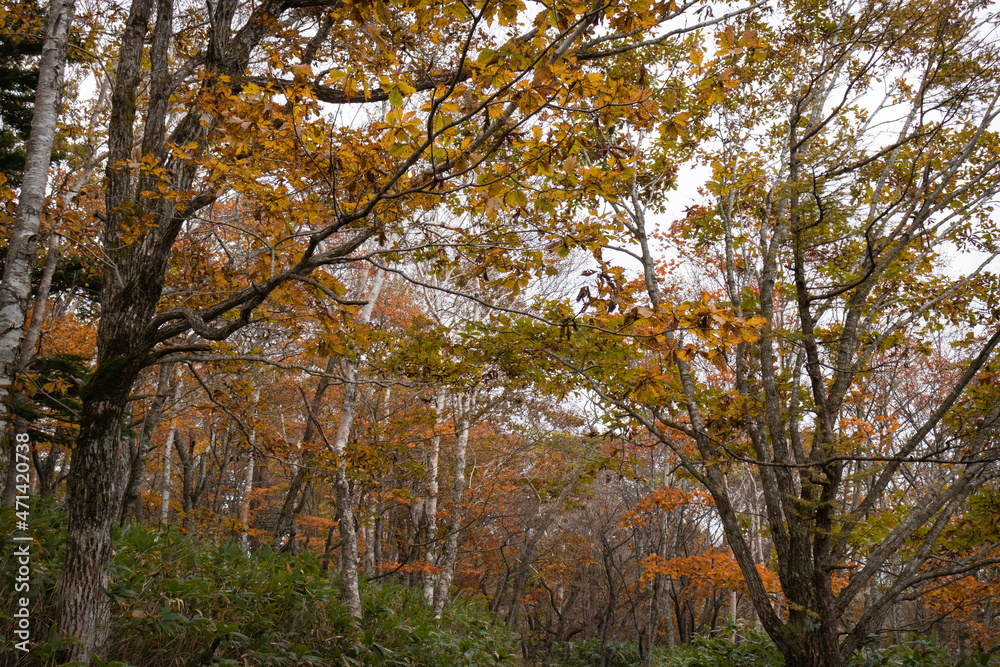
(253, 102)
(846, 167)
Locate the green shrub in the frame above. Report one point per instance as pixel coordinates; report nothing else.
(179, 601)
(752, 648)
(587, 653)
(918, 653)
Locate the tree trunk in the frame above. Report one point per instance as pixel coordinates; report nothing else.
(165, 476)
(345, 500)
(16, 285)
(10, 479)
(218, 494)
(137, 469)
(328, 549)
(128, 301)
(194, 476)
(286, 517)
(97, 473)
(135, 262)
(186, 455)
(245, 504)
(24, 358)
(530, 546)
(430, 514)
(449, 555)
(369, 559)
(377, 544)
(45, 468)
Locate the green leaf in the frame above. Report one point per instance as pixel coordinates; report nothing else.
(395, 97)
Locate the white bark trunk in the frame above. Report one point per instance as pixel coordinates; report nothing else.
(27, 353)
(16, 286)
(247, 486)
(165, 478)
(430, 551)
(245, 504)
(449, 556)
(345, 499)
(368, 531)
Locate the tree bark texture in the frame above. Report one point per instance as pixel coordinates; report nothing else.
(245, 490)
(16, 285)
(165, 475)
(345, 497)
(430, 537)
(449, 554)
(24, 358)
(94, 487)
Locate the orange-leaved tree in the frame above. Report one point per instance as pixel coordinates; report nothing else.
(845, 170)
(333, 124)
(816, 279)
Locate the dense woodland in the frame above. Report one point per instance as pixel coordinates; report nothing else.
(439, 332)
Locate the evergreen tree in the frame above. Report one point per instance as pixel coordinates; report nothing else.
(20, 44)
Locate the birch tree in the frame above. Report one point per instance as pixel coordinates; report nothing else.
(15, 287)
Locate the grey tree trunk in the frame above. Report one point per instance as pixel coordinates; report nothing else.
(95, 484)
(16, 285)
(345, 500)
(247, 485)
(137, 469)
(193, 478)
(449, 555)
(94, 487)
(370, 537)
(532, 537)
(165, 476)
(430, 551)
(24, 358)
(130, 329)
(245, 504)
